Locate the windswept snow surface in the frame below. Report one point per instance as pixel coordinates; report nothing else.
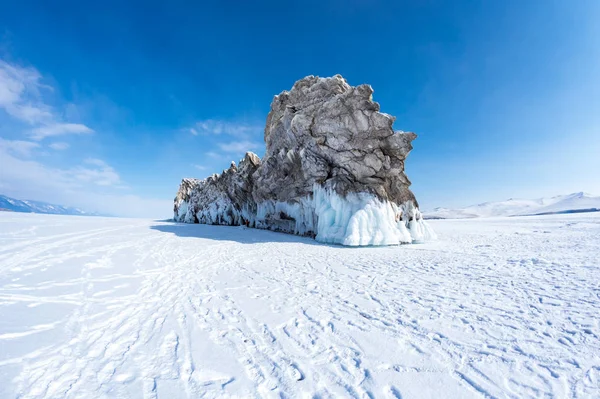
(103, 307)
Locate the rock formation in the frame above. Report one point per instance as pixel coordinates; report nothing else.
(333, 169)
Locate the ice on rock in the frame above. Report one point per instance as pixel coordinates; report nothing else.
(358, 219)
(333, 169)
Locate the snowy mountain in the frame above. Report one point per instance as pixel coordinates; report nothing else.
(15, 205)
(576, 202)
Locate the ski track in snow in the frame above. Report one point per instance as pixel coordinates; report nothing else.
(101, 307)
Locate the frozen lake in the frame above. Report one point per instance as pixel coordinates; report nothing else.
(107, 307)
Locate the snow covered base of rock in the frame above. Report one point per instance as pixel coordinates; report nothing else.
(355, 220)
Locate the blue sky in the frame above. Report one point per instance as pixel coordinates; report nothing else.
(107, 105)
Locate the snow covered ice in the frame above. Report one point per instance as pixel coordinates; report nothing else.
(106, 307)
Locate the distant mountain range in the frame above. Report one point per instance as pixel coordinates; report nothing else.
(15, 205)
(572, 203)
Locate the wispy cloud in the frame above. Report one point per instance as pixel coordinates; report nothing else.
(27, 103)
(98, 173)
(20, 93)
(71, 187)
(15, 164)
(220, 127)
(18, 147)
(213, 154)
(58, 129)
(94, 185)
(59, 146)
(21, 97)
(239, 146)
(199, 167)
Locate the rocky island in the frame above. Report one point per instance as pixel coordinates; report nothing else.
(333, 170)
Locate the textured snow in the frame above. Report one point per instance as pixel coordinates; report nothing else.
(516, 207)
(106, 307)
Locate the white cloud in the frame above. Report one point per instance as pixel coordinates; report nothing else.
(199, 167)
(21, 90)
(94, 172)
(58, 129)
(94, 186)
(218, 127)
(239, 146)
(18, 147)
(59, 146)
(29, 113)
(213, 154)
(102, 175)
(20, 93)
(95, 162)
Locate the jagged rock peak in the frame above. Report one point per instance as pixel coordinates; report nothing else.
(333, 168)
(346, 143)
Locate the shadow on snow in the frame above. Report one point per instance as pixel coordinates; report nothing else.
(238, 234)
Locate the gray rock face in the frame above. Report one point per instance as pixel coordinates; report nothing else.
(219, 199)
(328, 149)
(327, 132)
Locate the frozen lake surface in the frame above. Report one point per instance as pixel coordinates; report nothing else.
(106, 307)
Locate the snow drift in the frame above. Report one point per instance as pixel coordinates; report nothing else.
(333, 170)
